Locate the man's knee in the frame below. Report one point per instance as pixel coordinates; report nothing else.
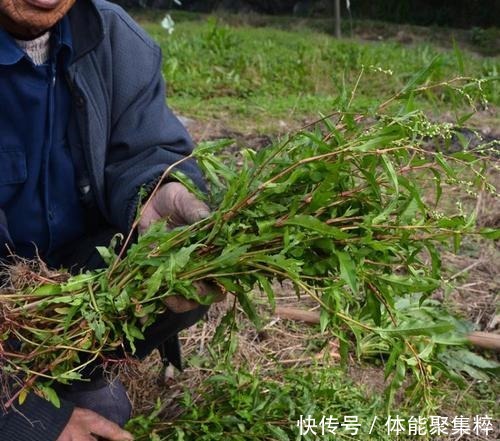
(109, 400)
(189, 318)
(167, 326)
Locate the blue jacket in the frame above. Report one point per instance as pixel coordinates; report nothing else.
(122, 137)
(38, 192)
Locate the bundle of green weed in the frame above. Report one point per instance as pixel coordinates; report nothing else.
(346, 217)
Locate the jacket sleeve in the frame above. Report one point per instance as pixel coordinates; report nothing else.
(35, 420)
(145, 140)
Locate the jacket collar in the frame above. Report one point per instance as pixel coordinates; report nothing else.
(10, 53)
(87, 27)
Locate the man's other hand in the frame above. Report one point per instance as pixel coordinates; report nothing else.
(85, 425)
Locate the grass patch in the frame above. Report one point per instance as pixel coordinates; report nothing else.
(216, 70)
(240, 403)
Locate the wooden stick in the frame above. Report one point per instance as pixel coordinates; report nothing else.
(485, 340)
(300, 315)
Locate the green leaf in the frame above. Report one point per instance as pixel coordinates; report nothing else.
(153, 284)
(48, 290)
(50, 394)
(105, 253)
(391, 173)
(122, 301)
(376, 142)
(465, 118)
(249, 309)
(445, 166)
(229, 284)
(476, 360)
(347, 270)
(324, 320)
(229, 256)
(99, 328)
(268, 289)
(76, 283)
(397, 349)
(490, 233)
(182, 257)
(71, 376)
(278, 433)
(311, 223)
(424, 329)
(373, 307)
(132, 333)
(422, 75)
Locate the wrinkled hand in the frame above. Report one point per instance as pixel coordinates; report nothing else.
(85, 425)
(174, 203)
(178, 206)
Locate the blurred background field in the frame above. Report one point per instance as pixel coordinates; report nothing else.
(265, 70)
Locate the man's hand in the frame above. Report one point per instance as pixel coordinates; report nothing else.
(85, 425)
(174, 203)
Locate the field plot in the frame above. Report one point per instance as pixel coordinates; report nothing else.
(249, 80)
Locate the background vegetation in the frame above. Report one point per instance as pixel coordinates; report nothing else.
(458, 13)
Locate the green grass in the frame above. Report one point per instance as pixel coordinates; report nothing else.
(250, 403)
(265, 74)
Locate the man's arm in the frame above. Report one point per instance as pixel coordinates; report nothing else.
(146, 139)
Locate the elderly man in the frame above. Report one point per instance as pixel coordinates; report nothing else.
(83, 127)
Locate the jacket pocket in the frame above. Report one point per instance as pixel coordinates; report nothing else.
(12, 167)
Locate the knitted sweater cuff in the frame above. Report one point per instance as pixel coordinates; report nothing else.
(35, 420)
